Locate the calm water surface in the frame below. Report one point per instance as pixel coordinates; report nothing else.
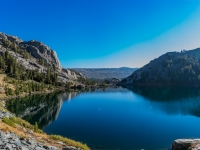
(116, 118)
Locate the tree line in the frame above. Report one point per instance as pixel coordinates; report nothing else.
(174, 70)
(16, 48)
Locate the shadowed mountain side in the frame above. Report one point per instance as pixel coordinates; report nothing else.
(171, 69)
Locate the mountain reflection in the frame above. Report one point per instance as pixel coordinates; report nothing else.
(172, 100)
(42, 109)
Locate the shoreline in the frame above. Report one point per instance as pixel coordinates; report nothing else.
(31, 93)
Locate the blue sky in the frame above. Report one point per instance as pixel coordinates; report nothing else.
(105, 33)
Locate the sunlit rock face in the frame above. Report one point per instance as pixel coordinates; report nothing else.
(38, 51)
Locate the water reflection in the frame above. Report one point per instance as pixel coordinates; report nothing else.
(184, 101)
(42, 109)
(45, 108)
(166, 94)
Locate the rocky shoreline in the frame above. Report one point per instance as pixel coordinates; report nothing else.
(11, 141)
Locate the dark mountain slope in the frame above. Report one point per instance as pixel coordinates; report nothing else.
(173, 68)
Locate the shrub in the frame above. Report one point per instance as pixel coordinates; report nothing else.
(8, 121)
(25, 124)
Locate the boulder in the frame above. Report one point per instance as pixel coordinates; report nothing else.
(181, 144)
(186, 144)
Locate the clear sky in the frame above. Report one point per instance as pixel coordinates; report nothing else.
(105, 33)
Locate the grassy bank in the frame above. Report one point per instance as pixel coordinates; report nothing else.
(25, 130)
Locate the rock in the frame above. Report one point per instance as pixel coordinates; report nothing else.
(30, 131)
(9, 147)
(18, 143)
(1, 143)
(196, 147)
(42, 51)
(24, 143)
(52, 147)
(39, 148)
(181, 144)
(23, 148)
(45, 147)
(60, 143)
(31, 142)
(186, 144)
(24, 129)
(70, 148)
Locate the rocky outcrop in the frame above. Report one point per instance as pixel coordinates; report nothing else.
(171, 69)
(186, 144)
(41, 51)
(11, 38)
(11, 141)
(38, 51)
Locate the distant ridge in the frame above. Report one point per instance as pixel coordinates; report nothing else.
(105, 73)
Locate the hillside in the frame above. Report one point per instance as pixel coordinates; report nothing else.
(105, 73)
(31, 67)
(172, 69)
(34, 55)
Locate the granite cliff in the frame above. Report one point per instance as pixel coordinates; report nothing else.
(35, 55)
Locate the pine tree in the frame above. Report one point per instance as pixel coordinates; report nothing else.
(36, 127)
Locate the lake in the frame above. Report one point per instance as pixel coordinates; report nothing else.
(116, 118)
